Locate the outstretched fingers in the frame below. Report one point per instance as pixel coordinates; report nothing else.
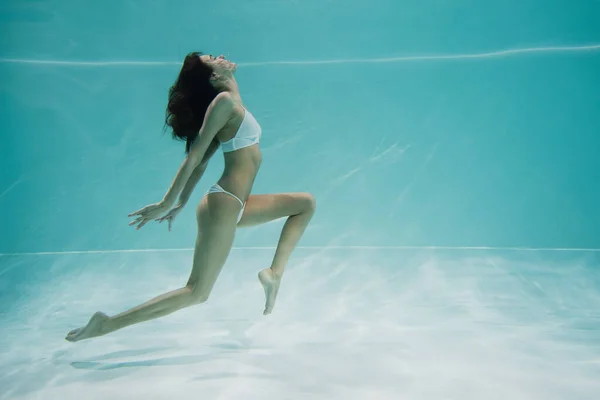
(147, 214)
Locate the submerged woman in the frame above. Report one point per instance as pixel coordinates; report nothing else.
(205, 109)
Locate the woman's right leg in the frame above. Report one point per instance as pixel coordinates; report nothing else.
(263, 208)
(217, 214)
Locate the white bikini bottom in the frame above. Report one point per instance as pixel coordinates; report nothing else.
(216, 188)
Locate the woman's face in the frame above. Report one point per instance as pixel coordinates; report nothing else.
(220, 64)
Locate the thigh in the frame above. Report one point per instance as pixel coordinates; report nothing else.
(216, 231)
(263, 208)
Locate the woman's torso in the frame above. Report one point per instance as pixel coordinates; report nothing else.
(241, 164)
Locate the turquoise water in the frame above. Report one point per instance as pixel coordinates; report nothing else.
(453, 151)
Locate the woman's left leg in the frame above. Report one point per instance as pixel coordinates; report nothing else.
(216, 217)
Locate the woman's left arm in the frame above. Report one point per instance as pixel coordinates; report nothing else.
(217, 115)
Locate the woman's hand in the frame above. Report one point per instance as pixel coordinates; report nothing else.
(171, 215)
(148, 213)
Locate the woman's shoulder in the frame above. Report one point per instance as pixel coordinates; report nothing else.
(223, 104)
(224, 99)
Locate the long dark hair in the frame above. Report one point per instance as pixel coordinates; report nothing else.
(189, 97)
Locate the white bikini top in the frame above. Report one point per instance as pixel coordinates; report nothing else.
(248, 133)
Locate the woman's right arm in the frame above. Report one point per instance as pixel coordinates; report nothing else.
(193, 180)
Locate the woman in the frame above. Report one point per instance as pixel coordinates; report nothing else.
(205, 110)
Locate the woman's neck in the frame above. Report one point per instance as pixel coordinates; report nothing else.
(228, 84)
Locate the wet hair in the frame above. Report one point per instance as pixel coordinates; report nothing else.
(189, 98)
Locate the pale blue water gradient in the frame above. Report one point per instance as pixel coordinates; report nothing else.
(453, 151)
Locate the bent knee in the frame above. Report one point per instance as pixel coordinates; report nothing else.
(308, 202)
(198, 295)
(200, 298)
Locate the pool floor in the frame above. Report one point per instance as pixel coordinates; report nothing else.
(348, 324)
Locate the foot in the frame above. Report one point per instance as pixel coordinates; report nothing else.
(270, 283)
(95, 327)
